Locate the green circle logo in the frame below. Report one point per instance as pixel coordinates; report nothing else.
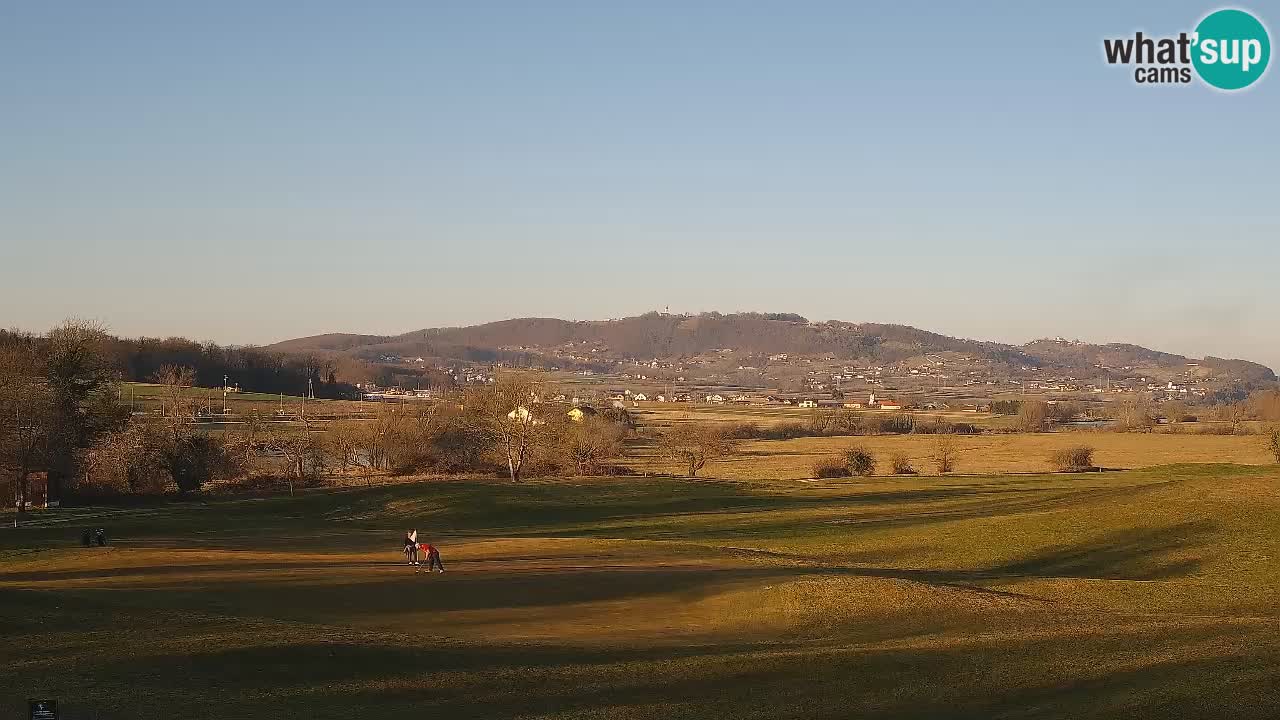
(1232, 49)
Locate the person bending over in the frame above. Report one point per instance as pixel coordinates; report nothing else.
(433, 556)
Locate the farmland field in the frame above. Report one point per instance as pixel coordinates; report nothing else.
(1140, 594)
(976, 454)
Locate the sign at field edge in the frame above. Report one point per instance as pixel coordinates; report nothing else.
(43, 709)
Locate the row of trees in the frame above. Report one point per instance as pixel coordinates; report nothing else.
(841, 422)
(140, 359)
(1140, 413)
(486, 429)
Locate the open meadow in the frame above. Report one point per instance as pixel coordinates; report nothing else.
(1139, 594)
(974, 454)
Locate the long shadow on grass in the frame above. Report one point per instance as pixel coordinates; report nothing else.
(555, 579)
(1132, 670)
(1132, 554)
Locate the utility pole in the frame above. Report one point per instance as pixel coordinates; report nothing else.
(224, 394)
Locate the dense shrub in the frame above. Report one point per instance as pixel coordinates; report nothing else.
(842, 423)
(743, 431)
(1216, 429)
(618, 416)
(584, 447)
(899, 424)
(145, 458)
(939, 426)
(900, 464)
(786, 431)
(1074, 459)
(1006, 407)
(860, 461)
(693, 445)
(1273, 442)
(832, 467)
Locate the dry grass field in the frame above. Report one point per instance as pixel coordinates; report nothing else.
(975, 454)
(664, 414)
(1138, 594)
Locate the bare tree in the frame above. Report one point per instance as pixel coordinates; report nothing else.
(177, 381)
(1236, 414)
(944, 456)
(588, 444)
(1033, 416)
(1135, 414)
(507, 411)
(1273, 442)
(301, 451)
(342, 440)
(694, 444)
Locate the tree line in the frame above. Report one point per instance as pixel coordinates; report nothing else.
(251, 368)
(61, 416)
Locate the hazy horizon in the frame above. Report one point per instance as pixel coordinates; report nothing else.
(249, 174)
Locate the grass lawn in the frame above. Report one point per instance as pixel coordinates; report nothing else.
(150, 397)
(1137, 594)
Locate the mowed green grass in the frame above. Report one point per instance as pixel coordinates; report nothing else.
(150, 397)
(1140, 594)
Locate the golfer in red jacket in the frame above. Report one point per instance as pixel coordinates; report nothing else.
(433, 556)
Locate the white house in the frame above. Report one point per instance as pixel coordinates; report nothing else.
(639, 397)
(524, 417)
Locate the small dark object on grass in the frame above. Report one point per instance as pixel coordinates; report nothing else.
(86, 538)
(101, 537)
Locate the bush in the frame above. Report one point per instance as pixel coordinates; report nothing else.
(743, 431)
(786, 431)
(460, 448)
(901, 464)
(1215, 429)
(1074, 459)
(1006, 407)
(584, 447)
(860, 461)
(944, 457)
(1273, 442)
(694, 444)
(832, 467)
(899, 424)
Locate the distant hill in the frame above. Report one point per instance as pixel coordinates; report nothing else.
(329, 342)
(663, 336)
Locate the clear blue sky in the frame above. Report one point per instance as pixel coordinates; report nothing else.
(246, 171)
